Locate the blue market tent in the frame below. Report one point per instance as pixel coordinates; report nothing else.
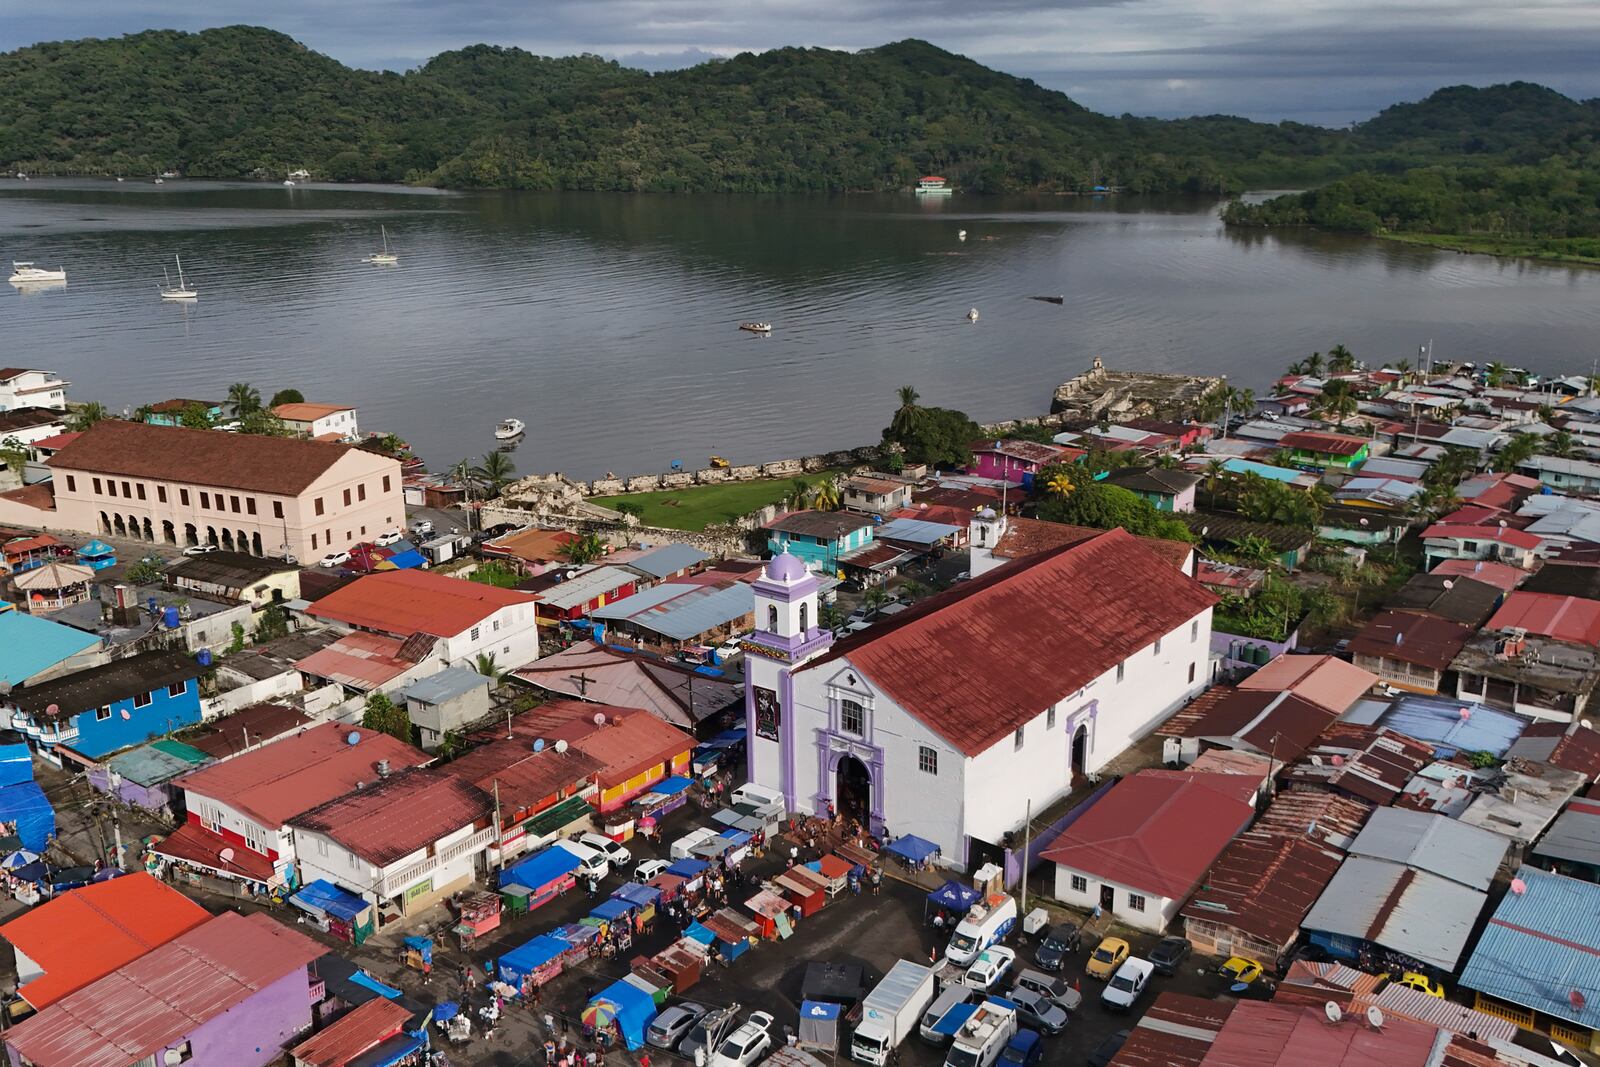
(323, 896)
(912, 848)
(634, 1009)
(445, 1011)
(819, 1025)
(640, 896)
(666, 787)
(612, 910)
(16, 764)
(25, 804)
(365, 980)
(688, 868)
(954, 896)
(408, 560)
(540, 869)
(523, 960)
(696, 932)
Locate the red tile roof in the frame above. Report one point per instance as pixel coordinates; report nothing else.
(1566, 618)
(41, 497)
(352, 1034)
(87, 933)
(1264, 884)
(415, 601)
(395, 816)
(1332, 444)
(60, 440)
(1409, 638)
(1157, 831)
(305, 412)
(171, 991)
(279, 781)
(1176, 1031)
(975, 661)
(1276, 724)
(1325, 680)
(1029, 537)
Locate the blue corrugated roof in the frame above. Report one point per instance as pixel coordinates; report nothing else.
(916, 531)
(685, 611)
(1438, 722)
(667, 560)
(149, 766)
(1521, 957)
(29, 645)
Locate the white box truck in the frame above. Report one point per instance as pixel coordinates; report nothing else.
(985, 923)
(891, 1011)
(983, 1036)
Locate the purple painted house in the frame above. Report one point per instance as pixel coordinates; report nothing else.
(232, 992)
(1017, 461)
(142, 776)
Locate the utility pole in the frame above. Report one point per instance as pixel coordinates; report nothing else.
(1027, 833)
(499, 840)
(119, 857)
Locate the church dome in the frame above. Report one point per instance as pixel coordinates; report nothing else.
(785, 568)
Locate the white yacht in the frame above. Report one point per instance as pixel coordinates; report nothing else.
(509, 430)
(27, 273)
(288, 181)
(183, 290)
(933, 185)
(385, 256)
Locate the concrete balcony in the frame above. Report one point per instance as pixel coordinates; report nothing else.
(395, 882)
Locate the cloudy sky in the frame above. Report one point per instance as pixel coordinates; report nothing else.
(1327, 61)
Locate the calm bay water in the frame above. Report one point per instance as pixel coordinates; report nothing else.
(608, 323)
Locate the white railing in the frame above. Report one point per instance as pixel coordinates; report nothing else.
(395, 882)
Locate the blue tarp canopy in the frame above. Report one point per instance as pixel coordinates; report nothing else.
(735, 838)
(666, 787)
(696, 932)
(729, 737)
(540, 869)
(523, 960)
(953, 1019)
(634, 1009)
(16, 764)
(366, 981)
(954, 895)
(688, 868)
(446, 1011)
(915, 849)
(389, 1052)
(322, 895)
(97, 547)
(638, 895)
(407, 560)
(612, 910)
(25, 804)
(576, 933)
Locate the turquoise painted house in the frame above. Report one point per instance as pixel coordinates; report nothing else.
(168, 412)
(105, 709)
(819, 538)
(32, 648)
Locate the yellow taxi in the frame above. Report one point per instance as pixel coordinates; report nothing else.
(1106, 958)
(1420, 982)
(1240, 970)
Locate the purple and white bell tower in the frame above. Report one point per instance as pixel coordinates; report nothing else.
(788, 634)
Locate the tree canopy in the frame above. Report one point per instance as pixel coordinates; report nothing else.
(1104, 506)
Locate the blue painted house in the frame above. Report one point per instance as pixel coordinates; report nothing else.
(819, 538)
(92, 713)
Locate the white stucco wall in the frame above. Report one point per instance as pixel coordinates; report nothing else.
(1158, 911)
(511, 633)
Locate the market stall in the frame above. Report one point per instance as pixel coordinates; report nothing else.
(665, 797)
(834, 871)
(771, 913)
(680, 963)
(809, 895)
(546, 875)
(915, 852)
(478, 912)
(337, 910)
(953, 898)
(621, 1008)
(532, 963)
(734, 933)
(819, 1026)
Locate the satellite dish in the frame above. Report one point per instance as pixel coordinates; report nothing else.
(126, 714)
(172, 1057)
(1338, 761)
(226, 855)
(1465, 713)
(561, 746)
(53, 710)
(1576, 999)
(538, 744)
(1518, 886)
(1374, 1017)
(353, 737)
(1331, 1010)
(599, 718)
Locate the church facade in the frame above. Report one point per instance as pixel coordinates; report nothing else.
(952, 719)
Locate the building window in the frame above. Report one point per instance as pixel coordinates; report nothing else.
(474, 634)
(142, 700)
(1135, 902)
(111, 487)
(1194, 631)
(127, 490)
(277, 509)
(313, 541)
(1018, 737)
(1080, 884)
(1158, 646)
(72, 486)
(102, 714)
(364, 532)
(347, 498)
(177, 689)
(772, 618)
(1050, 719)
(1191, 673)
(97, 485)
(250, 505)
(852, 717)
(205, 499)
(139, 489)
(233, 502)
(928, 759)
(361, 491)
(317, 505)
(385, 483)
(1121, 670)
(496, 625)
(183, 497)
(161, 494)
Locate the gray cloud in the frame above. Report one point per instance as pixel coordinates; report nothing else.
(1313, 60)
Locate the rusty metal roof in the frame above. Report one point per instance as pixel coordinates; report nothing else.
(352, 1034)
(1263, 884)
(1327, 818)
(1176, 1031)
(1363, 761)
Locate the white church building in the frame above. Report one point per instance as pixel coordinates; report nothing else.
(950, 719)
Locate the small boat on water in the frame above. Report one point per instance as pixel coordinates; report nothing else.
(21, 176)
(756, 327)
(972, 315)
(1052, 299)
(27, 273)
(510, 430)
(385, 257)
(288, 181)
(183, 290)
(161, 181)
(961, 235)
(933, 185)
(169, 174)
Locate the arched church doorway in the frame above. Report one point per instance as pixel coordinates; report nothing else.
(854, 790)
(1080, 751)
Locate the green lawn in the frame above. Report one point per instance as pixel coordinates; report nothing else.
(700, 506)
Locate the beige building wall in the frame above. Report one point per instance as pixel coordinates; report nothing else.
(354, 500)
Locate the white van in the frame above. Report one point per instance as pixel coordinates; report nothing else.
(755, 795)
(985, 923)
(592, 863)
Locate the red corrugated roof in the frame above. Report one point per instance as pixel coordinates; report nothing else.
(1277, 724)
(1566, 618)
(164, 995)
(1332, 444)
(1325, 680)
(279, 781)
(395, 816)
(352, 1034)
(1506, 535)
(1500, 575)
(1365, 761)
(1175, 1032)
(1260, 1034)
(1263, 884)
(88, 933)
(1029, 537)
(974, 662)
(360, 660)
(630, 742)
(415, 601)
(1157, 831)
(197, 845)
(1407, 638)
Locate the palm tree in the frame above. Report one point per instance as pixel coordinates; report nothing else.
(1295, 369)
(143, 412)
(1559, 444)
(1495, 373)
(1338, 400)
(1402, 367)
(825, 496)
(1216, 470)
(494, 471)
(86, 415)
(799, 495)
(907, 415)
(586, 549)
(485, 665)
(1313, 364)
(244, 398)
(461, 472)
(1060, 484)
(1341, 360)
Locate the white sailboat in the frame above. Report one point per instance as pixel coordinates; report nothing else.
(181, 291)
(385, 256)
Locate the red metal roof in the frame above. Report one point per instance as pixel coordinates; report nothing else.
(195, 844)
(1566, 618)
(1264, 883)
(1329, 818)
(415, 601)
(279, 781)
(1325, 680)
(1410, 638)
(395, 816)
(1176, 1031)
(1367, 762)
(1277, 724)
(1500, 575)
(88, 933)
(1260, 1034)
(630, 742)
(360, 660)
(1028, 537)
(524, 777)
(974, 662)
(352, 1034)
(1157, 831)
(171, 991)
(1332, 444)
(1506, 535)
(1578, 751)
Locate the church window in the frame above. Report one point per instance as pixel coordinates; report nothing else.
(1050, 719)
(852, 717)
(772, 618)
(928, 759)
(804, 617)
(1121, 669)
(1017, 738)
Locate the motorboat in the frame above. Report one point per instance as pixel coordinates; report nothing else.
(510, 430)
(961, 235)
(386, 256)
(27, 273)
(288, 181)
(972, 315)
(933, 185)
(756, 327)
(161, 181)
(183, 290)
(21, 176)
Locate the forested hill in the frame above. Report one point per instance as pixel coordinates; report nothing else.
(243, 101)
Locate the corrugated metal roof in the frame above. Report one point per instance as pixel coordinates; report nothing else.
(1432, 843)
(148, 765)
(1280, 725)
(414, 601)
(1176, 1031)
(667, 560)
(1541, 946)
(399, 814)
(585, 586)
(1264, 884)
(1566, 618)
(1330, 818)
(1261, 1034)
(916, 531)
(1419, 914)
(1575, 835)
(30, 645)
(1325, 680)
(1369, 763)
(353, 1033)
(1405, 1002)
(1439, 722)
(164, 995)
(1523, 799)
(682, 612)
(446, 685)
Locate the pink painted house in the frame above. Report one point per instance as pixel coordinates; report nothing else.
(1017, 461)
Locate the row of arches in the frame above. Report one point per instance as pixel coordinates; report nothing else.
(137, 529)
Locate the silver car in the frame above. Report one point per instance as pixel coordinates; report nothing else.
(708, 1031)
(673, 1023)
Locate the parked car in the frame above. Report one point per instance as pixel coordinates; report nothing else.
(1240, 970)
(1106, 958)
(745, 1045)
(707, 1031)
(1025, 1050)
(334, 559)
(1041, 1013)
(1107, 1050)
(393, 537)
(1058, 942)
(200, 550)
(1166, 956)
(1420, 982)
(990, 966)
(619, 857)
(1051, 987)
(422, 526)
(1126, 986)
(673, 1023)
(645, 870)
